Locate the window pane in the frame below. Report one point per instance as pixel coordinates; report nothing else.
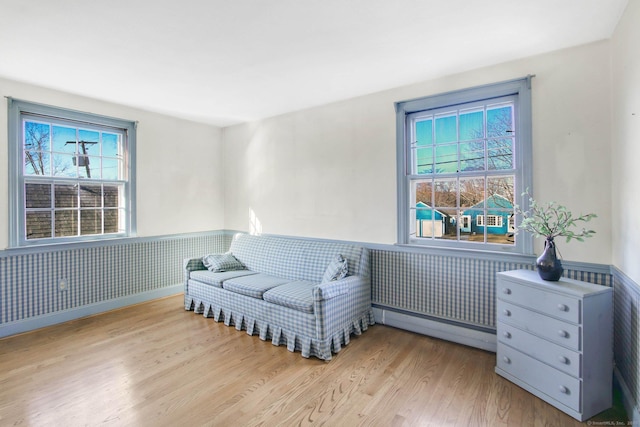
(445, 223)
(420, 205)
(111, 145)
(64, 139)
(423, 151)
(91, 196)
(111, 220)
(500, 154)
(424, 132)
(446, 129)
(91, 221)
(471, 193)
(110, 169)
(38, 225)
(424, 160)
(501, 189)
(445, 193)
(472, 156)
(446, 158)
(89, 167)
(37, 163)
(436, 221)
(66, 223)
(36, 136)
(37, 196)
(421, 193)
(500, 121)
(63, 165)
(424, 223)
(471, 125)
(92, 168)
(111, 196)
(499, 210)
(66, 196)
(88, 144)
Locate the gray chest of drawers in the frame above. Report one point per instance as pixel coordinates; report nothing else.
(555, 340)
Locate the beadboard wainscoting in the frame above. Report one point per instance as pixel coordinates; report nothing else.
(43, 286)
(626, 345)
(453, 293)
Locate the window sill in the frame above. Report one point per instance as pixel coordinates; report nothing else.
(502, 254)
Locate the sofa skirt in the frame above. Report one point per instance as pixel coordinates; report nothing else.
(278, 324)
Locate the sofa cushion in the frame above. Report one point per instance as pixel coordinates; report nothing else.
(222, 262)
(297, 295)
(253, 286)
(216, 279)
(336, 270)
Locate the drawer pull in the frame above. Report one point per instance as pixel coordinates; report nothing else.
(563, 307)
(507, 312)
(506, 291)
(507, 335)
(563, 359)
(563, 334)
(506, 359)
(564, 389)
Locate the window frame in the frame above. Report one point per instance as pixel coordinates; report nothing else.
(17, 110)
(523, 166)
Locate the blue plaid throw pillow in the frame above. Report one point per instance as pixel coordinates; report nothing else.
(336, 270)
(222, 262)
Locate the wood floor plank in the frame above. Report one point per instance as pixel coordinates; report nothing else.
(155, 364)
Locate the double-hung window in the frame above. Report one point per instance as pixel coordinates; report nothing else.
(464, 158)
(71, 175)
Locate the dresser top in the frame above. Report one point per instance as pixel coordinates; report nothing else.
(564, 285)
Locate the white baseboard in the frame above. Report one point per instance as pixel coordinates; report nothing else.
(38, 322)
(467, 336)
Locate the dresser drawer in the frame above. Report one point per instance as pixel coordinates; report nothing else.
(559, 357)
(555, 384)
(554, 330)
(559, 306)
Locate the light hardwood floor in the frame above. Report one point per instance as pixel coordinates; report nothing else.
(155, 364)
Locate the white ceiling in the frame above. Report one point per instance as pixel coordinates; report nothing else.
(228, 61)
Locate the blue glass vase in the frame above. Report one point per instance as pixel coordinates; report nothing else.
(549, 266)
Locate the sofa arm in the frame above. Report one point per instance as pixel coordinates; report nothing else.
(340, 305)
(328, 290)
(189, 265)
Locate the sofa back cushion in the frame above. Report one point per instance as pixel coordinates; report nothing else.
(295, 259)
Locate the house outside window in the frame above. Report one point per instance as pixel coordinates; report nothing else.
(71, 175)
(463, 161)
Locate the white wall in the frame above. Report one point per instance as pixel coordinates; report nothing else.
(179, 165)
(329, 172)
(626, 142)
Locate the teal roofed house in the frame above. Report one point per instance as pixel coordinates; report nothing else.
(498, 219)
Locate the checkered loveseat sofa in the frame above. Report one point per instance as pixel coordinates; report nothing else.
(280, 294)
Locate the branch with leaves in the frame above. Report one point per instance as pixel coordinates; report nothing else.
(552, 220)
